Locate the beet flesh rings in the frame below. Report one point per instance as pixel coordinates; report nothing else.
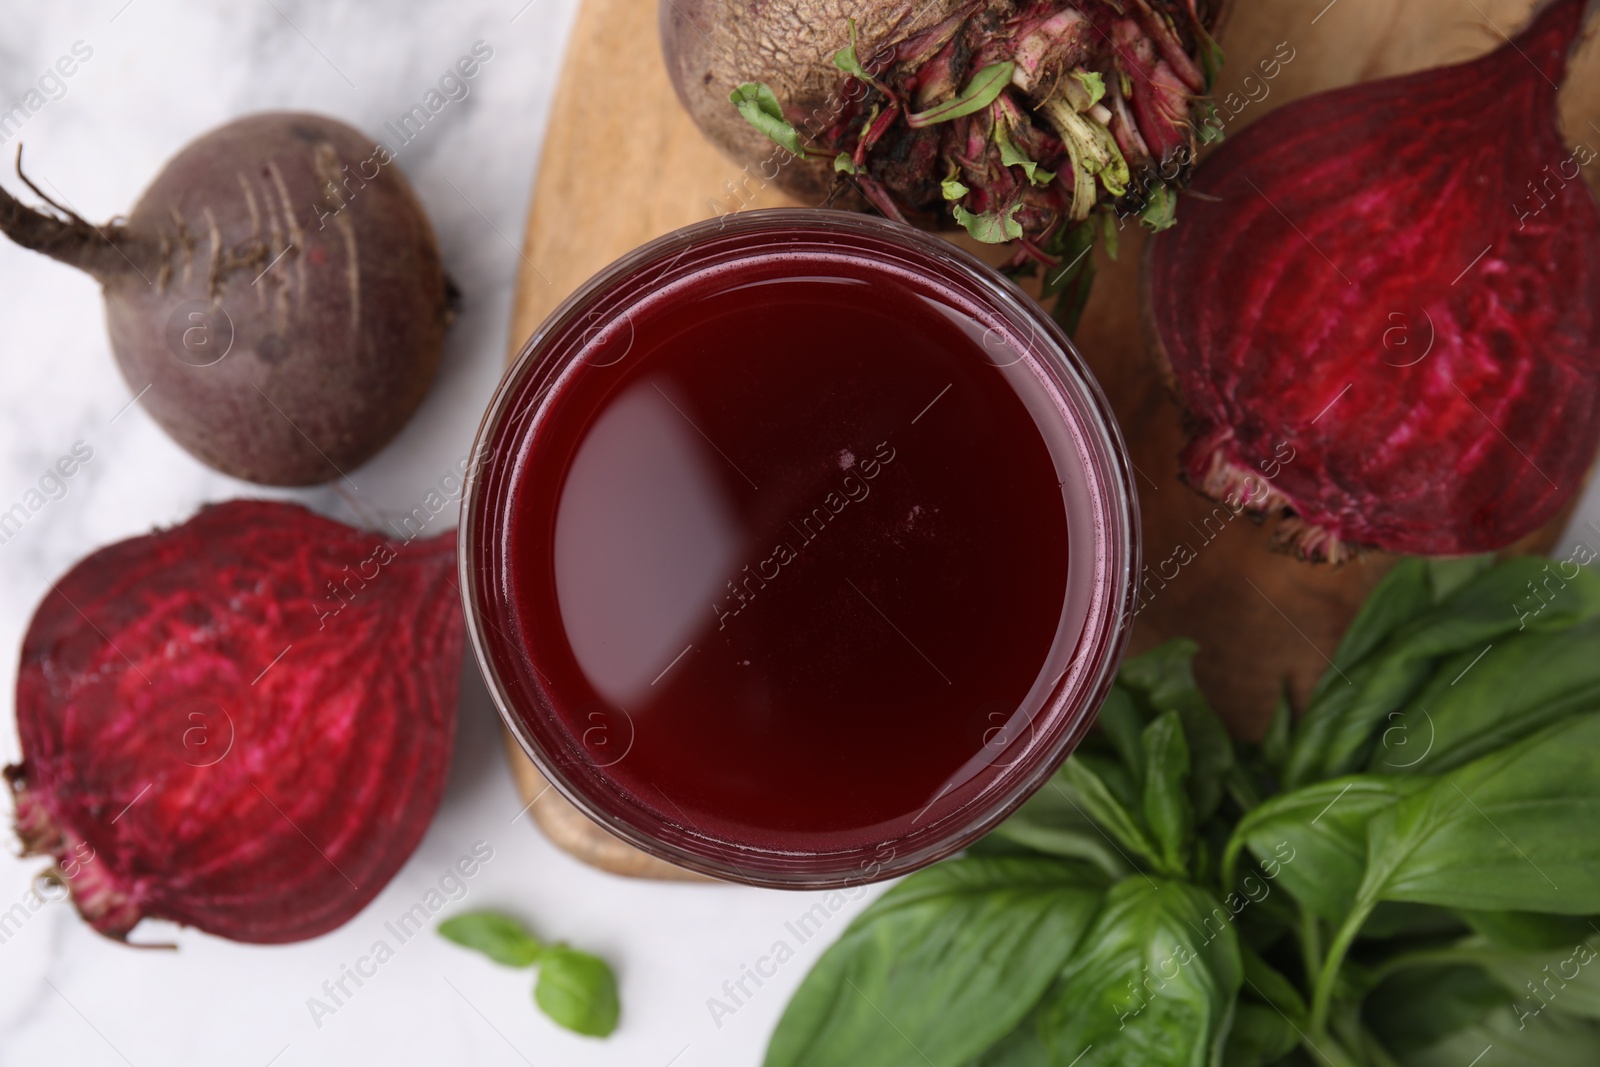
(242, 724)
(1397, 283)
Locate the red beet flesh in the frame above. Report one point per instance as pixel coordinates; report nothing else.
(1370, 285)
(244, 722)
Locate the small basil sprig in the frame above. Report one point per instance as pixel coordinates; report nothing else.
(576, 990)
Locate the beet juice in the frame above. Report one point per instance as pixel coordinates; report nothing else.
(798, 549)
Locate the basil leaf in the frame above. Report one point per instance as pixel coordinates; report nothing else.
(1123, 725)
(1448, 573)
(1565, 978)
(1314, 840)
(1269, 987)
(1530, 930)
(1167, 811)
(1111, 813)
(1054, 821)
(1476, 706)
(1164, 678)
(1500, 833)
(500, 937)
(1420, 1006)
(941, 967)
(1502, 1038)
(1399, 597)
(1022, 1047)
(760, 108)
(980, 92)
(1258, 1037)
(1153, 982)
(1275, 746)
(1339, 728)
(577, 991)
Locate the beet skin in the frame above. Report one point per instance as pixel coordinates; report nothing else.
(276, 297)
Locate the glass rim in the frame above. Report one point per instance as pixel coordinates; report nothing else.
(1117, 548)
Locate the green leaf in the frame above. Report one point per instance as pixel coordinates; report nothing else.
(980, 92)
(1404, 594)
(1503, 1039)
(953, 189)
(845, 58)
(500, 937)
(1530, 930)
(1164, 679)
(953, 958)
(1055, 822)
(760, 108)
(1565, 978)
(1500, 833)
(578, 991)
(844, 163)
(1347, 711)
(1167, 810)
(1111, 813)
(1474, 706)
(1268, 986)
(991, 227)
(1314, 841)
(1153, 982)
(1012, 156)
(1085, 90)
(1022, 1047)
(1122, 722)
(1258, 1037)
(1160, 211)
(1070, 281)
(1448, 573)
(1421, 1006)
(1211, 55)
(1275, 746)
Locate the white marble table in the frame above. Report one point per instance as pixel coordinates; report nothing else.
(162, 71)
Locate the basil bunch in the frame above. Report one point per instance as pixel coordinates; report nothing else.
(1408, 875)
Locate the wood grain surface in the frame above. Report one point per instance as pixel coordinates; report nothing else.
(616, 173)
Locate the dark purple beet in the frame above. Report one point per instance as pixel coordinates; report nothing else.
(277, 287)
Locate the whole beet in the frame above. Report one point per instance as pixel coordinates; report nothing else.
(277, 291)
(1091, 105)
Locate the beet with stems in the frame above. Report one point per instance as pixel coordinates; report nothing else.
(1398, 283)
(242, 724)
(278, 289)
(1034, 121)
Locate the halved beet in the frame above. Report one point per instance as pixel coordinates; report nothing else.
(1397, 285)
(241, 724)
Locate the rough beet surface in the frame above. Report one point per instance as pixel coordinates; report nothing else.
(241, 724)
(1101, 107)
(1397, 283)
(277, 288)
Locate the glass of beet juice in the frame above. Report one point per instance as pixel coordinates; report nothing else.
(797, 548)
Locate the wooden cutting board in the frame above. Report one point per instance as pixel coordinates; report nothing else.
(619, 169)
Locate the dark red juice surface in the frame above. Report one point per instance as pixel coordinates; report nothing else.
(797, 555)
